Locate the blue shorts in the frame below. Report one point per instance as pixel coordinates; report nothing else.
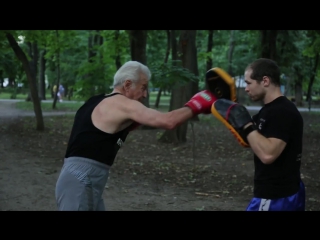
(295, 202)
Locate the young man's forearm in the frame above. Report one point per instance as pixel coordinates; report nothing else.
(267, 149)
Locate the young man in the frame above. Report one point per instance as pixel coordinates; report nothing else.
(100, 128)
(275, 136)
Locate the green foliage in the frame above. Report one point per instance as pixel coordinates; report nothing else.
(297, 50)
(167, 75)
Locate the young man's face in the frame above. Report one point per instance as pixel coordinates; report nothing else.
(254, 89)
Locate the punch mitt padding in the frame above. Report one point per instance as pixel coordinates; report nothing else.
(221, 84)
(234, 116)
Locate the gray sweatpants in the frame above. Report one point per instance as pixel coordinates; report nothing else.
(81, 184)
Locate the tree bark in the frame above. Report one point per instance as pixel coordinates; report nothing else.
(178, 99)
(138, 49)
(1, 79)
(188, 50)
(209, 49)
(230, 52)
(31, 79)
(269, 44)
(209, 62)
(118, 50)
(312, 78)
(298, 87)
(57, 67)
(42, 72)
(298, 94)
(156, 105)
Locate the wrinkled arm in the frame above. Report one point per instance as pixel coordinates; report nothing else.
(147, 116)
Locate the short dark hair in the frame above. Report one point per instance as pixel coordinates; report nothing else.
(265, 67)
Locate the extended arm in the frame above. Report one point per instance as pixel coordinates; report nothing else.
(199, 103)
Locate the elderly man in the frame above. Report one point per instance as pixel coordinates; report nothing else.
(100, 128)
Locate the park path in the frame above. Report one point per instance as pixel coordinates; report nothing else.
(8, 110)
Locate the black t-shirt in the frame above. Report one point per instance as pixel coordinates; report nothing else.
(88, 141)
(279, 119)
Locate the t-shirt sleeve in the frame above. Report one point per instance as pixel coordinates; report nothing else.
(279, 125)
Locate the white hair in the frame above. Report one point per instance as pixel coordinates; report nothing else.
(130, 70)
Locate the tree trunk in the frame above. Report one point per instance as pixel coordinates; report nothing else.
(57, 67)
(312, 77)
(31, 79)
(288, 83)
(91, 54)
(118, 50)
(156, 105)
(11, 81)
(269, 44)
(34, 56)
(209, 49)
(298, 94)
(1, 79)
(230, 52)
(42, 71)
(178, 99)
(138, 49)
(189, 58)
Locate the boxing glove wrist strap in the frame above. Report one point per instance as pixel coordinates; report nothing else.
(249, 129)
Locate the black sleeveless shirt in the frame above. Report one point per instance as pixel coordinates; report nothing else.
(88, 141)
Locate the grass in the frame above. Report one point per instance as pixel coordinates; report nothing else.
(20, 96)
(47, 106)
(66, 106)
(74, 106)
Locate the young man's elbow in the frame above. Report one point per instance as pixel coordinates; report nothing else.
(268, 159)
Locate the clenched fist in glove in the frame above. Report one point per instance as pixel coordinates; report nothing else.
(234, 116)
(201, 102)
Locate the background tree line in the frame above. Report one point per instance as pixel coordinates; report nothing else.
(84, 61)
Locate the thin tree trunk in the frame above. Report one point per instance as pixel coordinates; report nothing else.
(312, 78)
(54, 104)
(118, 50)
(269, 44)
(188, 51)
(298, 94)
(209, 49)
(230, 52)
(42, 71)
(1, 79)
(34, 55)
(156, 105)
(91, 55)
(138, 49)
(171, 136)
(31, 79)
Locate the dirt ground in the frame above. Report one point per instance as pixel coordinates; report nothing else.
(211, 172)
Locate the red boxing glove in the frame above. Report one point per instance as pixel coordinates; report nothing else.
(133, 126)
(201, 102)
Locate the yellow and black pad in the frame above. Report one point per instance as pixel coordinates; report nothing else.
(222, 113)
(221, 84)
